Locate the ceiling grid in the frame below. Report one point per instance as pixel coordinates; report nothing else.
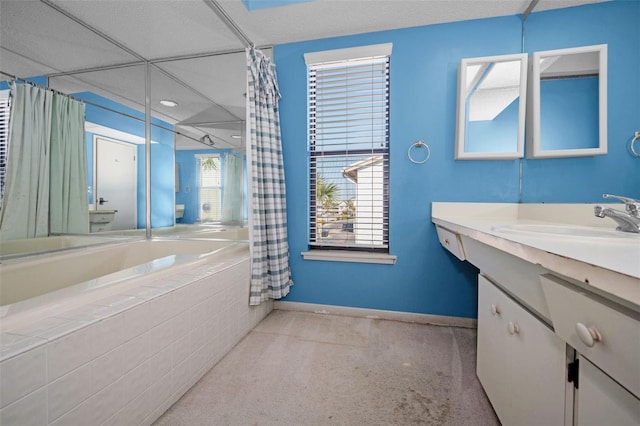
(197, 47)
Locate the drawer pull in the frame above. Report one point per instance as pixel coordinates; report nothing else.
(513, 328)
(495, 310)
(588, 335)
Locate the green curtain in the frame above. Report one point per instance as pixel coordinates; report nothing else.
(25, 206)
(68, 197)
(232, 195)
(46, 174)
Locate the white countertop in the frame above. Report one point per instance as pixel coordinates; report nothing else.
(609, 264)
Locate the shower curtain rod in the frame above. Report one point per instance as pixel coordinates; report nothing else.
(124, 114)
(13, 77)
(31, 83)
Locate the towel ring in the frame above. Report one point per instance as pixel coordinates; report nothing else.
(419, 144)
(636, 137)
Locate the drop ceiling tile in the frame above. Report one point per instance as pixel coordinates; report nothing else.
(157, 29)
(43, 35)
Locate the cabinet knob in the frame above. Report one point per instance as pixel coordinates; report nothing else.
(513, 328)
(588, 335)
(495, 310)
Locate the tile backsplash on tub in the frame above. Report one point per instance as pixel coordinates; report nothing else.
(132, 365)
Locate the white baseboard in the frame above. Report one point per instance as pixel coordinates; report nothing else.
(377, 314)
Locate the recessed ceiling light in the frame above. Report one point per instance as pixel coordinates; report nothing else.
(169, 103)
(236, 136)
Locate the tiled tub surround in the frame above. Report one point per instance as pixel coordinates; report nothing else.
(124, 353)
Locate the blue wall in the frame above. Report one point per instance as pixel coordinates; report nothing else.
(497, 135)
(426, 278)
(162, 181)
(569, 113)
(586, 179)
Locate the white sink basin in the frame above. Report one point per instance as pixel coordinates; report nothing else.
(567, 231)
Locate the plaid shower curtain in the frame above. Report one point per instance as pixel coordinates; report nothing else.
(270, 273)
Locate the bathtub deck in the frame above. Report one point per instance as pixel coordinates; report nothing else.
(125, 353)
(299, 368)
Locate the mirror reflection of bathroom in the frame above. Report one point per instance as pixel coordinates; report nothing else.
(112, 129)
(115, 139)
(568, 113)
(491, 107)
(209, 179)
(184, 120)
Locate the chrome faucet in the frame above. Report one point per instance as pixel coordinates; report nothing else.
(629, 220)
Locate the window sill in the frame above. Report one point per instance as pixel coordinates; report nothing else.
(349, 256)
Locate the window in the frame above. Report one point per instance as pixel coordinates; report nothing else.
(4, 138)
(349, 149)
(209, 188)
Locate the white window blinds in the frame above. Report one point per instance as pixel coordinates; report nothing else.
(349, 154)
(209, 191)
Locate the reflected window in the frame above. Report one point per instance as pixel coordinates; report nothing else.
(209, 188)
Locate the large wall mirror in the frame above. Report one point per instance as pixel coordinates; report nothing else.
(491, 107)
(115, 144)
(567, 114)
(196, 106)
(199, 179)
(209, 182)
(197, 150)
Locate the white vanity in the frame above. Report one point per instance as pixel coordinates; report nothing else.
(558, 310)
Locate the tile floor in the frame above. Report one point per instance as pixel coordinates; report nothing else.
(300, 368)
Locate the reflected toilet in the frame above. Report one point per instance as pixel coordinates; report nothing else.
(179, 211)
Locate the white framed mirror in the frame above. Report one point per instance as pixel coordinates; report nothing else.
(491, 108)
(567, 114)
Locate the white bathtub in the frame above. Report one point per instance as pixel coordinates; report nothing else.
(123, 345)
(229, 233)
(26, 278)
(181, 229)
(14, 248)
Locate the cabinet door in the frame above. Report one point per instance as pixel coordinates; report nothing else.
(521, 362)
(491, 354)
(536, 359)
(602, 401)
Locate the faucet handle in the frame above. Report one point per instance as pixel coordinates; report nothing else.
(632, 206)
